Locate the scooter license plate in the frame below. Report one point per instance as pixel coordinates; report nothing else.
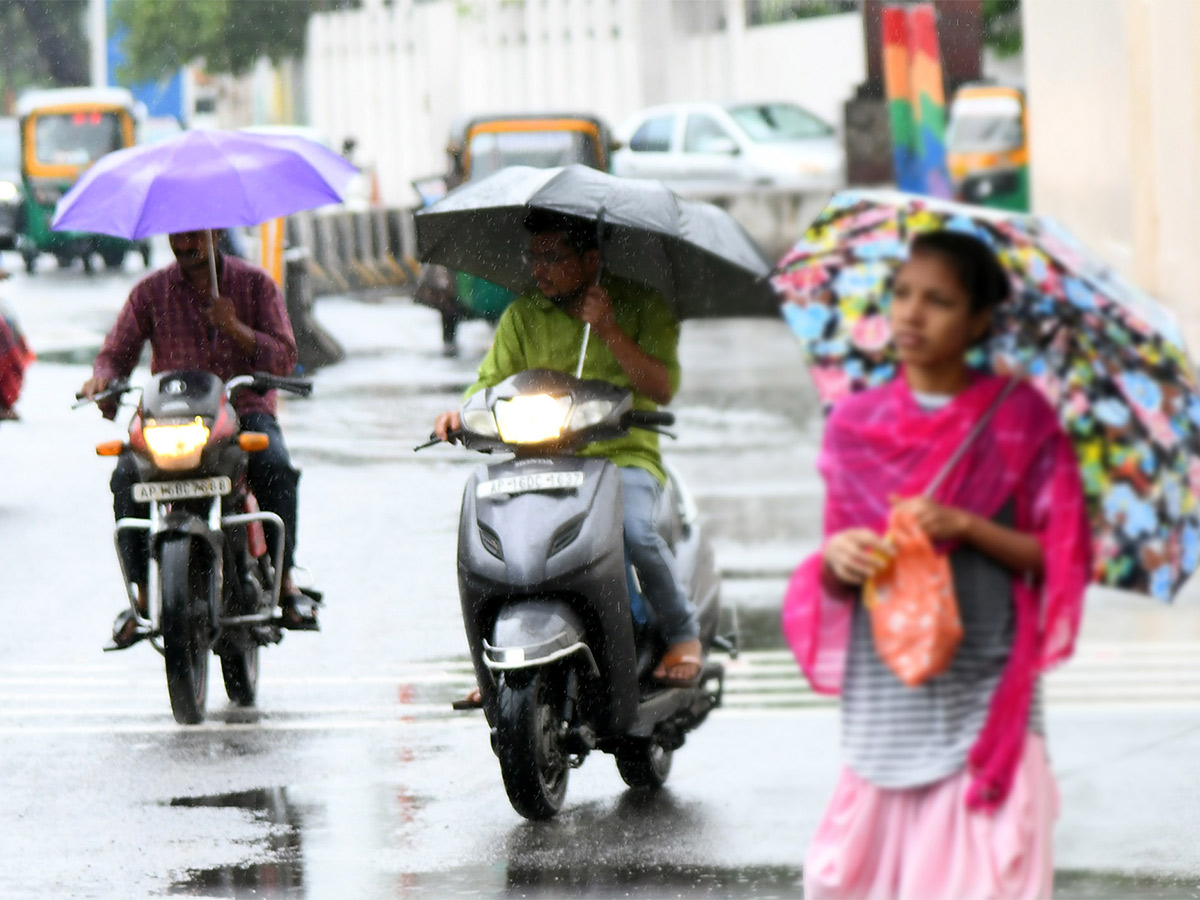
(187, 489)
(523, 484)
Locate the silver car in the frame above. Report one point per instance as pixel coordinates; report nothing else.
(11, 193)
(699, 147)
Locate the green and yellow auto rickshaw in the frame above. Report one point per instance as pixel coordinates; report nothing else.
(63, 131)
(987, 146)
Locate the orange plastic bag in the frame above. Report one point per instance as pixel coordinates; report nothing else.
(914, 615)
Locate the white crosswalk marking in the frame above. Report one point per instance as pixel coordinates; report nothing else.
(127, 696)
(1151, 673)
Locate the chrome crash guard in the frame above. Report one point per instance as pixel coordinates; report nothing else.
(159, 524)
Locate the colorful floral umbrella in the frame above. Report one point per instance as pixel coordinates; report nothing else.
(1109, 358)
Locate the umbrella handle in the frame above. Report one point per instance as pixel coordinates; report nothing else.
(212, 263)
(587, 333)
(587, 328)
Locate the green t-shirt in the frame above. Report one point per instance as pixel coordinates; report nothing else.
(533, 333)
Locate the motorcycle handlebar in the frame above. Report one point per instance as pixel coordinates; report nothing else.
(261, 382)
(114, 389)
(301, 387)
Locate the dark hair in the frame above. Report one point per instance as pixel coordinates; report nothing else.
(977, 268)
(579, 234)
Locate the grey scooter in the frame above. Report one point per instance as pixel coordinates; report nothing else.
(562, 644)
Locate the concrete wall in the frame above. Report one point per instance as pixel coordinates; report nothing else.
(1114, 105)
(396, 76)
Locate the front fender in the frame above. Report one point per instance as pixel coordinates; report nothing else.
(532, 633)
(186, 526)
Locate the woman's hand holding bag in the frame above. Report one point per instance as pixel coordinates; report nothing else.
(914, 614)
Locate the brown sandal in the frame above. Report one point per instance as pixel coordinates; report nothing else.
(687, 654)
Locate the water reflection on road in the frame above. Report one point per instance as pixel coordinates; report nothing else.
(281, 873)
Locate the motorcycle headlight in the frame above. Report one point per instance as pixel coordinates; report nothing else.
(480, 421)
(175, 447)
(531, 419)
(591, 412)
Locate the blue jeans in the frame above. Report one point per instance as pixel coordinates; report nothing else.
(653, 559)
(270, 473)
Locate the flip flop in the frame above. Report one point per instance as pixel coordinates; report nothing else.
(298, 612)
(685, 653)
(125, 631)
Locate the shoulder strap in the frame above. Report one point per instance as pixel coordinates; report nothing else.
(970, 438)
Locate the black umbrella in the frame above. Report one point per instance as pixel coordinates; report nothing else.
(694, 253)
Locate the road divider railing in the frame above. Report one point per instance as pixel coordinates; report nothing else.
(352, 250)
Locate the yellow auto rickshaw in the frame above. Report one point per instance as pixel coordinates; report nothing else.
(987, 146)
(63, 131)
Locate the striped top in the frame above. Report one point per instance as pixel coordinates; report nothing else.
(894, 736)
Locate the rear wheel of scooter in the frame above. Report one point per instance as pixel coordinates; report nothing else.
(185, 629)
(644, 764)
(529, 736)
(239, 668)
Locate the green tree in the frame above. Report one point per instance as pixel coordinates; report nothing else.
(43, 44)
(1002, 26)
(162, 35)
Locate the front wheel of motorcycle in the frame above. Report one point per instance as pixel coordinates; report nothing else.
(185, 629)
(529, 739)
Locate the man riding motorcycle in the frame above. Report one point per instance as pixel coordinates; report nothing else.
(240, 328)
(636, 348)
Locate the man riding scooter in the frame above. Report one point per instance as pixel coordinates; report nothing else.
(637, 349)
(238, 329)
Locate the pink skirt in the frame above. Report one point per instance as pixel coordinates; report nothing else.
(925, 844)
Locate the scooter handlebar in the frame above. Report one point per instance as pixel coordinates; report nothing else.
(645, 418)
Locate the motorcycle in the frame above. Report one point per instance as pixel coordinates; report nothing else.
(213, 583)
(563, 643)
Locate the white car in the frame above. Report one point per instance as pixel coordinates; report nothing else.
(698, 147)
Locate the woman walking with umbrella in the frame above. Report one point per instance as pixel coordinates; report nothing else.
(946, 790)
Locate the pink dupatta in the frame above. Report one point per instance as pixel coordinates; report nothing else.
(880, 443)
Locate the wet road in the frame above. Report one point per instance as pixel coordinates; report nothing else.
(354, 779)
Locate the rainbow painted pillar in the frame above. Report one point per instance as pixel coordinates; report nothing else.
(912, 73)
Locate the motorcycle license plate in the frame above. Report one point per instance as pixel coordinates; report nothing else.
(188, 489)
(523, 484)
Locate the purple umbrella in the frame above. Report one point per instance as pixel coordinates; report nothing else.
(203, 179)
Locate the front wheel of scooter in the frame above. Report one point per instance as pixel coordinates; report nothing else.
(185, 629)
(529, 739)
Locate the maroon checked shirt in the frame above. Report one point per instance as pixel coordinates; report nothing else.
(167, 311)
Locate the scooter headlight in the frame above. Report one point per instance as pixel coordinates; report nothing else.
(591, 412)
(480, 421)
(174, 447)
(532, 419)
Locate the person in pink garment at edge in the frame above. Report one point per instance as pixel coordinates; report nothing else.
(245, 329)
(946, 791)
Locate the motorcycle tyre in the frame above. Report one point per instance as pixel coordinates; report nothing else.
(528, 727)
(185, 633)
(239, 670)
(645, 764)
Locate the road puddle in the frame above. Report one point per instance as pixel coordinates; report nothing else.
(280, 871)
